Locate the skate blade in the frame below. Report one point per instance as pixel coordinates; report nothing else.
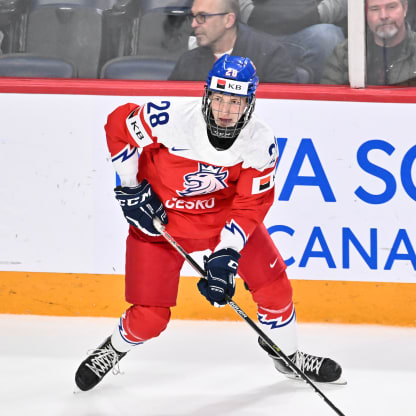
(341, 381)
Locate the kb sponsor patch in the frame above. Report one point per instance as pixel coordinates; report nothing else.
(229, 85)
(136, 128)
(263, 183)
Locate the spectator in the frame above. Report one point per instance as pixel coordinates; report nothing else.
(333, 11)
(216, 27)
(391, 47)
(303, 26)
(411, 14)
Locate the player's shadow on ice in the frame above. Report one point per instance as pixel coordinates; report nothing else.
(239, 402)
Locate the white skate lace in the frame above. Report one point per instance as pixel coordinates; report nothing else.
(104, 360)
(306, 362)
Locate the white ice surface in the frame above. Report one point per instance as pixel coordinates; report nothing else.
(200, 369)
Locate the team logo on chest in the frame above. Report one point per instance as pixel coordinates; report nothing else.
(206, 180)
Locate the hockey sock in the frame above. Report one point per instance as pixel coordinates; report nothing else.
(138, 324)
(122, 339)
(276, 313)
(280, 326)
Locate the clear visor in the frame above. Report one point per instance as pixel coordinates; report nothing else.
(227, 110)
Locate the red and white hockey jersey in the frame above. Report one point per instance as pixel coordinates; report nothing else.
(205, 192)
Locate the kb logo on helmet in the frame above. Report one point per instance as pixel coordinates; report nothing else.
(235, 87)
(228, 85)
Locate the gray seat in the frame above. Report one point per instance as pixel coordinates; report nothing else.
(118, 30)
(96, 4)
(162, 28)
(135, 67)
(35, 66)
(70, 30)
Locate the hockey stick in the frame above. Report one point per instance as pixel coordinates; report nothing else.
(161, 228)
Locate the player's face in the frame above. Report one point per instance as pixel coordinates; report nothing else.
(386, 19)
(214, 27)
(227, 109)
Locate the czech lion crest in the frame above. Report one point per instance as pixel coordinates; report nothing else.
(207, 179)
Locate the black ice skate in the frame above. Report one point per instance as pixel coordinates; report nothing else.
(319, 369)
(97, 365)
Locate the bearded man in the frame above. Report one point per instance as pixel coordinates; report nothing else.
(391, 47)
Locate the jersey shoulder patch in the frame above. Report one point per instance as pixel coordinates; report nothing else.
(168, 122)
(137, 127)
(144, 121)
(263, 183)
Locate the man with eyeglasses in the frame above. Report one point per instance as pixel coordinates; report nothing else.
(217, 31)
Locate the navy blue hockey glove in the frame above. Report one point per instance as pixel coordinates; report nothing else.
(140, 205)
(221, 267)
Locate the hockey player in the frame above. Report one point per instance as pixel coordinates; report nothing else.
(209, 176)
